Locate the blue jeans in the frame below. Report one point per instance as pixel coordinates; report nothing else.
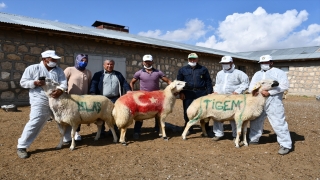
(103, 128)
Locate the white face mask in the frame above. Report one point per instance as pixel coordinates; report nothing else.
(147, 67)
(192, 63)
(226, 66)
(51, 64)
(265, 67)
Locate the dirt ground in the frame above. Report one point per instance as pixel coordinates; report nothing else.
(151, 157)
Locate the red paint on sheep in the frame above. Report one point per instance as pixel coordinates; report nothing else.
(143, 101)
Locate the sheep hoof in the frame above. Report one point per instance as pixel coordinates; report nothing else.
(237, 146)
(124, 143)
(184, 138)
(165, 138)
(71, 148)
(58, 147)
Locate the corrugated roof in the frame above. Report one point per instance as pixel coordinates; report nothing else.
(71, 28)
(280, 54)
(286, 54)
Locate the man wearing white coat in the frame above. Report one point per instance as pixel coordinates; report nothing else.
(33, 78)
(273, 109)
(228, 81)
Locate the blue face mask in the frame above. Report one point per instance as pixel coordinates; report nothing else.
(83, 65)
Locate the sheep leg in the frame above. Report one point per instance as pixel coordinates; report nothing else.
(245, 125)
(163, 125)
(115, 137)
(62, 130)
(73, 131)
(186, 129)
(239, 126)
(123, 135)
(203, 128)
(99, 126)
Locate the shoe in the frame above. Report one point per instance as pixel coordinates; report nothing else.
(136, 136)
(217, 138)
(253, 143)
(283, 150)
(77, 137)
(22, 153)
(210, 134)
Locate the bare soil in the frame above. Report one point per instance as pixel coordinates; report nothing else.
(151, 157)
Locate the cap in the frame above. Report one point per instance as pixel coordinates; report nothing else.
(265, 58)
(50, 53)
(226, 59)
(192, 55)
(147, 57)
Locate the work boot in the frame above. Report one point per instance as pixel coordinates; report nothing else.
(283, 150)
(217, 138)
(22, 153)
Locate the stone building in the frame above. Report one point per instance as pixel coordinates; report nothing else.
(22, 39)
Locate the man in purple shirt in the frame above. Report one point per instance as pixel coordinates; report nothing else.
(149, 81)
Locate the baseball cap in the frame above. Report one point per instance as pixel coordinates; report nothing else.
(265, 58)
(226, 59)
(147, 57)
(50, 53)
(192, 55)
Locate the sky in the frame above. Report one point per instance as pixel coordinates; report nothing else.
(228, 25)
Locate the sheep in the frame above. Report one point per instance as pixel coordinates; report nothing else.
(70, 109)
(141, 105)
(241, 108)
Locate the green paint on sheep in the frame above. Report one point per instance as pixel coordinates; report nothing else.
(82, 106)
(227, 105)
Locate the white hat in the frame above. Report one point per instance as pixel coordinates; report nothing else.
(265, 58)
(50, 53)
(192, 55)
(147, 57)
(226, 59)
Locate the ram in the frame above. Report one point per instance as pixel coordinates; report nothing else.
(79, 109)
(241, 108)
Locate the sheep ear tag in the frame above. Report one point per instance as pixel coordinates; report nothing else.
(257, 86)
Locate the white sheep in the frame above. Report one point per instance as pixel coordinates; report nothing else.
(141, 105)
(79, 109)
(241, 108)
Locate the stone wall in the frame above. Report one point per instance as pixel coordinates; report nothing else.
(19, 49)
(304, 78)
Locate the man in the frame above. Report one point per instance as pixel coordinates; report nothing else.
(198, 83)
(78, 78)
(109, 83)
(273, 109)
(149, 81)
(33, 78)
(228, 81)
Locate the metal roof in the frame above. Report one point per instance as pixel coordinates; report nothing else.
(286, 54)
(281, 54)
